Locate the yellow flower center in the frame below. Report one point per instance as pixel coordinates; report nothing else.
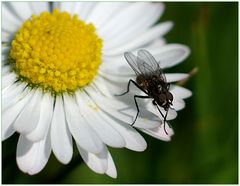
(56, 52)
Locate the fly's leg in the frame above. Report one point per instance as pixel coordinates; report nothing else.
(135, 96)
(164, 117)
(158, 109)
(135, 99)
(133, 82)
(164, 122)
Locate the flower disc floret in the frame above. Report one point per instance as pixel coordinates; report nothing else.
(56, 51)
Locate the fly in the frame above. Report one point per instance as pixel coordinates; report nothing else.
(151, 80)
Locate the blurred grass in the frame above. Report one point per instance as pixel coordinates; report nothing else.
(205, 146)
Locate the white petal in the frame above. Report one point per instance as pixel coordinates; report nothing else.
(104, 11)
(105, 131)
(118, 84)
(99, 83)
(141, 40)
(10, 23)
(12, 95)
(44, 120)
(127, 17)
(111, 111)
(148, 18)
(121, 113)
(111, 102)
(178, 103)
(7, 130)
(56, 5)
(115, 77)
(115, 87)
(8, 26)
(5, 59)
(170, 55)
(167, 56)
(5, 70)
(157, 43)
(133, 139)
(111, 170)
(97, 162)
(84, 9)
(9, 115)
(144, 119)
(5, 90)
(123, 108)
(7, 127)
(172, 114)
(115, 65)
(39, 7)
(29, 116)
(159, 132)
(66, 6)
(146, 123)
(80, 130)
(5, 49)
(7, 37)
(61, 139)
(180, 91)
(18, 7)
(8, 79)
(32, 156)
(173, 77)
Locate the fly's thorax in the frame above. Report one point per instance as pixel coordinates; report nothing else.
(142, 82)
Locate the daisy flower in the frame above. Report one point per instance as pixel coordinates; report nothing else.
(62, 64)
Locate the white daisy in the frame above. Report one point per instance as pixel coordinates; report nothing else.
(60, 74)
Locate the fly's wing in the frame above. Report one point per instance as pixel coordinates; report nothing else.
(149, 64)
(137, 65)
(133, 62)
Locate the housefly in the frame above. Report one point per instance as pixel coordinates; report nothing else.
(151, 80)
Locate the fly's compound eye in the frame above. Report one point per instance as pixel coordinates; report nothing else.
(162, 98)
(169, 96)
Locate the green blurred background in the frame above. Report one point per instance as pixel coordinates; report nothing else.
(204, 148)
